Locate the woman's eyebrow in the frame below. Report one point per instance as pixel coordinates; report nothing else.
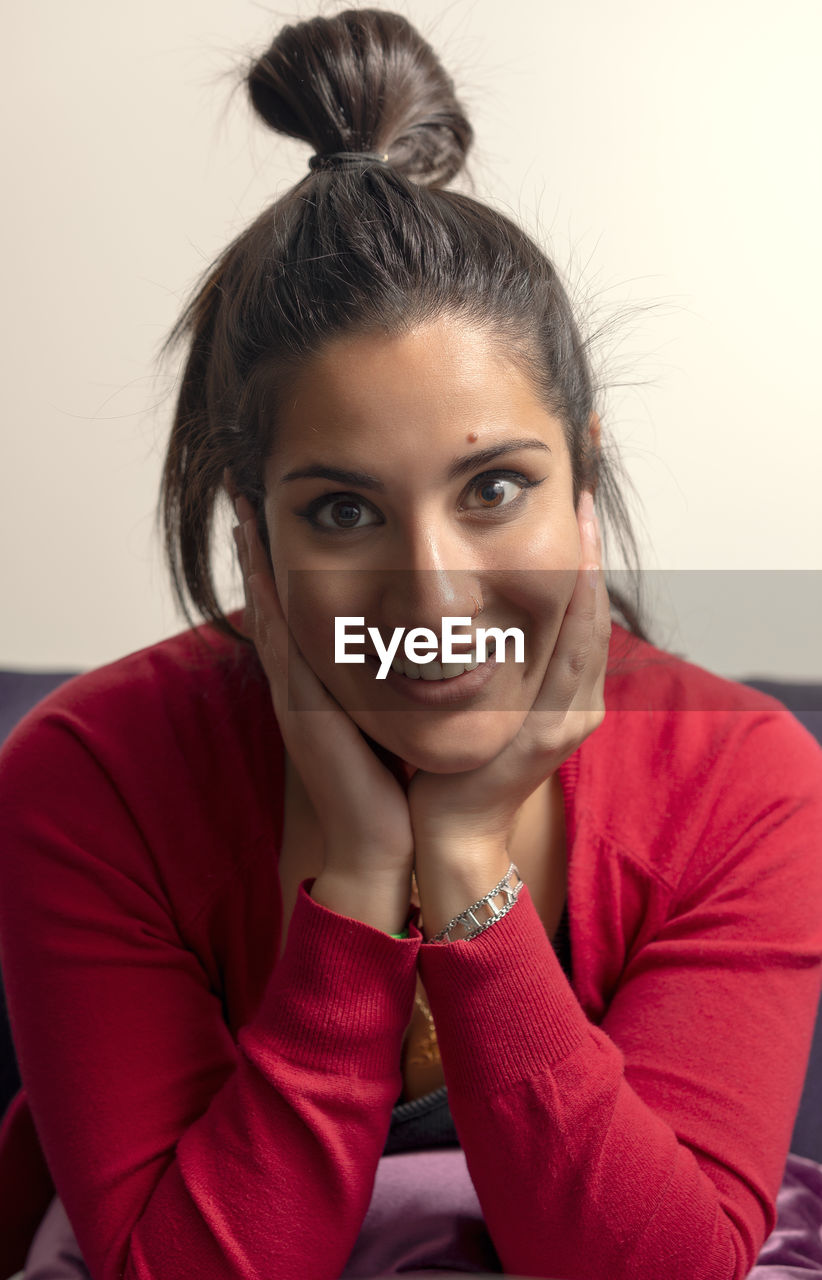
(458, 467)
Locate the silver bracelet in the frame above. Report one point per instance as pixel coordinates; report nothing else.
(473, 924)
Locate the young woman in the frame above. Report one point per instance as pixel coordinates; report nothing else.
(485, 964)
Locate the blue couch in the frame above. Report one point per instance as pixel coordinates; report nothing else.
(21, 690)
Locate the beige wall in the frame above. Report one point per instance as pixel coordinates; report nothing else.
(664, 149)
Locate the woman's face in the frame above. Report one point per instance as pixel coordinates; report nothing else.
(412, 478)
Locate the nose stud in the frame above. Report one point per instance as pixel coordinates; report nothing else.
(478, 608)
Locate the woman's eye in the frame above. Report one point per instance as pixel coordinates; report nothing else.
(499, 490)
(340, 511)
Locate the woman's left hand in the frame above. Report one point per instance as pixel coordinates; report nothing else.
(470, 815)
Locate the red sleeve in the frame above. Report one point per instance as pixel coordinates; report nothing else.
(659, 1137)
(177, 1152)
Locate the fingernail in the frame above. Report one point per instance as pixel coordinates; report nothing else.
(248, 534)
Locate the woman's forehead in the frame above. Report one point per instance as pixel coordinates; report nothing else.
(434, 387)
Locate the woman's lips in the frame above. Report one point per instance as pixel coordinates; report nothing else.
(436, 693)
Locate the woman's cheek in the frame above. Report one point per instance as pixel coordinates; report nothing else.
(310, 616)
(541, 594)
(315, 621)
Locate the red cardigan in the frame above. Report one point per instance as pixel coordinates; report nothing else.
(207, 1112)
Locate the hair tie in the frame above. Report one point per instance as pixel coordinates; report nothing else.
(340, 159)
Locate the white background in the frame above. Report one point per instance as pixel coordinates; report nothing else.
(666, 153)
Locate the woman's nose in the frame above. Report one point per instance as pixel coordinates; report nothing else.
(423, 597)
(433, 580)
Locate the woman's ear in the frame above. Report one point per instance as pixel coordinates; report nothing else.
(234, 493)
(230, 487)
(594, 444)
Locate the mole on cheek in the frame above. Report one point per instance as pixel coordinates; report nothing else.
(472, 437)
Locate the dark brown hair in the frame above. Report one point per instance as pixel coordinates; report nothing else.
(360, 247)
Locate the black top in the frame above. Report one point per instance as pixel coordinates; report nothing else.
(426, 1122)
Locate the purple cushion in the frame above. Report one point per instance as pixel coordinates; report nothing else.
(425, 1219)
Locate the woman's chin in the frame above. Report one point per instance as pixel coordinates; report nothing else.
(448, 749)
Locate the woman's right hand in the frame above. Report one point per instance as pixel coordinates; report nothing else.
(360, 806)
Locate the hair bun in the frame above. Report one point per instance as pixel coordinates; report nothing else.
(364, 80)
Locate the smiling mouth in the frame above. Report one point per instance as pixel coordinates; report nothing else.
(430, 671)
(439, 691)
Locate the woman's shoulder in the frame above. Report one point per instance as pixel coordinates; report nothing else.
(681, 703)
(171, 704)
(169, 758)
(195, 668)
(682, 750)
(644, 677)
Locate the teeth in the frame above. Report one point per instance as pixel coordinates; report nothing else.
(431, 670)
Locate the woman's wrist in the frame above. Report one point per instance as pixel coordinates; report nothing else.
(380, 901)
(448, 885)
